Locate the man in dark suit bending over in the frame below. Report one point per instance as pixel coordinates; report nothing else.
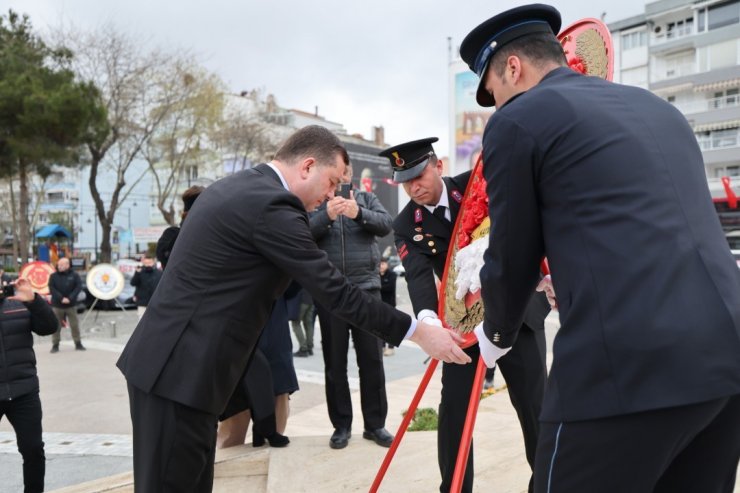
(244, 239)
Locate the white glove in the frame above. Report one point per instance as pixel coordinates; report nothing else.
(429, 317)
(468, 263)
(488, 351)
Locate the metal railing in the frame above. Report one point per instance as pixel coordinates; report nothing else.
(719, 140)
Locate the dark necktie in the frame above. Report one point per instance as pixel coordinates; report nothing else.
(439, 213)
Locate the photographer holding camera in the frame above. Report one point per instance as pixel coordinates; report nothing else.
(346, 227)
(22, 313)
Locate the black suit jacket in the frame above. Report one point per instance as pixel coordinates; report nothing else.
(244, 239)
(423, 249)
(608, 181)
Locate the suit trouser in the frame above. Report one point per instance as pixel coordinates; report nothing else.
(24, 414)
(691, 449)
(525, 371)
(174, 445)
(305, 317)
(74, 323)
(369, 351)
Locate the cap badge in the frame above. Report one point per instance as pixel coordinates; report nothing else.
(399, 160)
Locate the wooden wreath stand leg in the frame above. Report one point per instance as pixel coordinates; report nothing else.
(467, 434)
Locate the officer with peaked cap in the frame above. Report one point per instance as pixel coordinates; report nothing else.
(608, 181)
(423, 230)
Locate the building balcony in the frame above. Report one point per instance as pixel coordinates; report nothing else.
(726, 139)
(672, 72)
(672, 35)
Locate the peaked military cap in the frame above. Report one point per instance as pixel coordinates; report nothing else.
(409, 159)
(484, 41)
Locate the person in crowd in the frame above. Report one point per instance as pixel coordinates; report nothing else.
(20, 316)
(387, 294)
(347, 229)
(65, 285)
(608, 182)
(423, 232)
(146, 278)
(302, 318)
(244, 239)
(253, 401)
(166, 242)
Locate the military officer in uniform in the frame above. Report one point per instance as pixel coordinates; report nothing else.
(608, 181)
(422, 234)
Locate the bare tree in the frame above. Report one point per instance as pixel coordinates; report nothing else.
(127, 76)
(246, 134)
(191, 107)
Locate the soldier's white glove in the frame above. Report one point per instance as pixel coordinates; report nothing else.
(468, 263)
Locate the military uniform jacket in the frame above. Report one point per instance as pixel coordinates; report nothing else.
(243, 241)
(608, 181)
(422, 241)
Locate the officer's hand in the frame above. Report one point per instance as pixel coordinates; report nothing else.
(351, 209)
(334, 207)
(439, 343)
(546, 286)
(23, 291)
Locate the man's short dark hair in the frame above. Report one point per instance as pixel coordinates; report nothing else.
(538, 49)
(189, 196)
(312, 141)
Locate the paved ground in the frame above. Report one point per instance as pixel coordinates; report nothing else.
(87, 429)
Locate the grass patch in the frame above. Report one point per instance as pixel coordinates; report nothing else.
(425, 419)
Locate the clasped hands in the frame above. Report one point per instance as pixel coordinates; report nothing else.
(339, 206)
(441, 344)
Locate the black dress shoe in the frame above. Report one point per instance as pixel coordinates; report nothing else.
(379, 436)
(275, 440)
(339, 438)
(310, 352)
(301, 353)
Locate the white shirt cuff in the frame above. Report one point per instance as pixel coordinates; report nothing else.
(412, 328)
(488, 350)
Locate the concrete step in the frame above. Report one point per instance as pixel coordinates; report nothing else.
(239, 469)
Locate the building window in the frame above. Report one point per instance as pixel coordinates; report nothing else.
(634, 39)
(192, 173)
(723, 15)
(732, 171)
(671, 99)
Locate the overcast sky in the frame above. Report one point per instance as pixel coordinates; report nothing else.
(363, 63)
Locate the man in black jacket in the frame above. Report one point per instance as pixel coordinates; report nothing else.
(346, 228)
(65, 285)
(146, 278)
(19, 385)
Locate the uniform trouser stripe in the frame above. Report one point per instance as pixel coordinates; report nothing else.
(552, 460)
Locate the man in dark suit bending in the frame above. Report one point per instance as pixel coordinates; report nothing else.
(244, 239)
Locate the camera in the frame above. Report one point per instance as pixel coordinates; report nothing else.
(344, 190)
(8, 290)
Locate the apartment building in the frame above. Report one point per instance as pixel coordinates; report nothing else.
(688, 53)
